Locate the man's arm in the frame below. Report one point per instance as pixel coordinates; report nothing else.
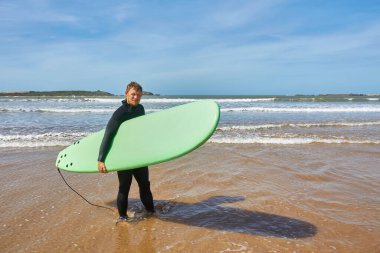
(110, 132)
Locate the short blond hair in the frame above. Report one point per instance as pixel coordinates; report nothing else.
(133, 85)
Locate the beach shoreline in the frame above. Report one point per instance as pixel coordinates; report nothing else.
(219, 198)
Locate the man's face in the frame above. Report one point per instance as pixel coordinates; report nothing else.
(133, 97)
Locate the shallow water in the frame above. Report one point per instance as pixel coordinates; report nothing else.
(56, 121)
(220, 198)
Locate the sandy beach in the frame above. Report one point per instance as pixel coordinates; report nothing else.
(220, 198)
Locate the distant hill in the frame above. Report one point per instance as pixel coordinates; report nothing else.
(97, 93)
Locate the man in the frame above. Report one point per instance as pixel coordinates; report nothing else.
(129, 109)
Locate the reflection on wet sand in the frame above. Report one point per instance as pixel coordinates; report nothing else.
(212, 214)
(129, 235)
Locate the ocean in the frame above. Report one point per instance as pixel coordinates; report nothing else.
(59, 121)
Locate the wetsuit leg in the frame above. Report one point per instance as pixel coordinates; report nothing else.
(125, 180)
(142, 177)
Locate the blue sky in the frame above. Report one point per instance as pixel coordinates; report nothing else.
(191, 47)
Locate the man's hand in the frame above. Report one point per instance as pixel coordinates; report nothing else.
(102, 167)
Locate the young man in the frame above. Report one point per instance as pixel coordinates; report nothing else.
(129, 109)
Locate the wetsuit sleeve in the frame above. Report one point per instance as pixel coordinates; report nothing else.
(111, 130)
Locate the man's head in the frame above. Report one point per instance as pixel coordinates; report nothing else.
(133, 93)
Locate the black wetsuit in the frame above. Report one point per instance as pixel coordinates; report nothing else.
(123, 113)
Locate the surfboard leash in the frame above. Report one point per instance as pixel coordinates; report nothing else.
(64, 180)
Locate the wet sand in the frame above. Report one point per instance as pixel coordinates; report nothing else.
(220, 198)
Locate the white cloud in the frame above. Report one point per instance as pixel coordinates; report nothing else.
(122, 12)
(25, 12)
(233, 14)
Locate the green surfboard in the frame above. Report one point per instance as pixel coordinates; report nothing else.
(146, 140)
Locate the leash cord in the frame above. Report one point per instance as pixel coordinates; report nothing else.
(59, 171)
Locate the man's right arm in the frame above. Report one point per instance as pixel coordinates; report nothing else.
(110, 132)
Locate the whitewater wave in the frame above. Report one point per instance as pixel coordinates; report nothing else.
(244, 100)
(104, 100)
(58, 110)
(302, 109)
(287, 141)
(143, 100)
(296, 125)
(46, 99)
(67, 138)
(237, 109)
(66, 110)
(218, 100)
(41, 140)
